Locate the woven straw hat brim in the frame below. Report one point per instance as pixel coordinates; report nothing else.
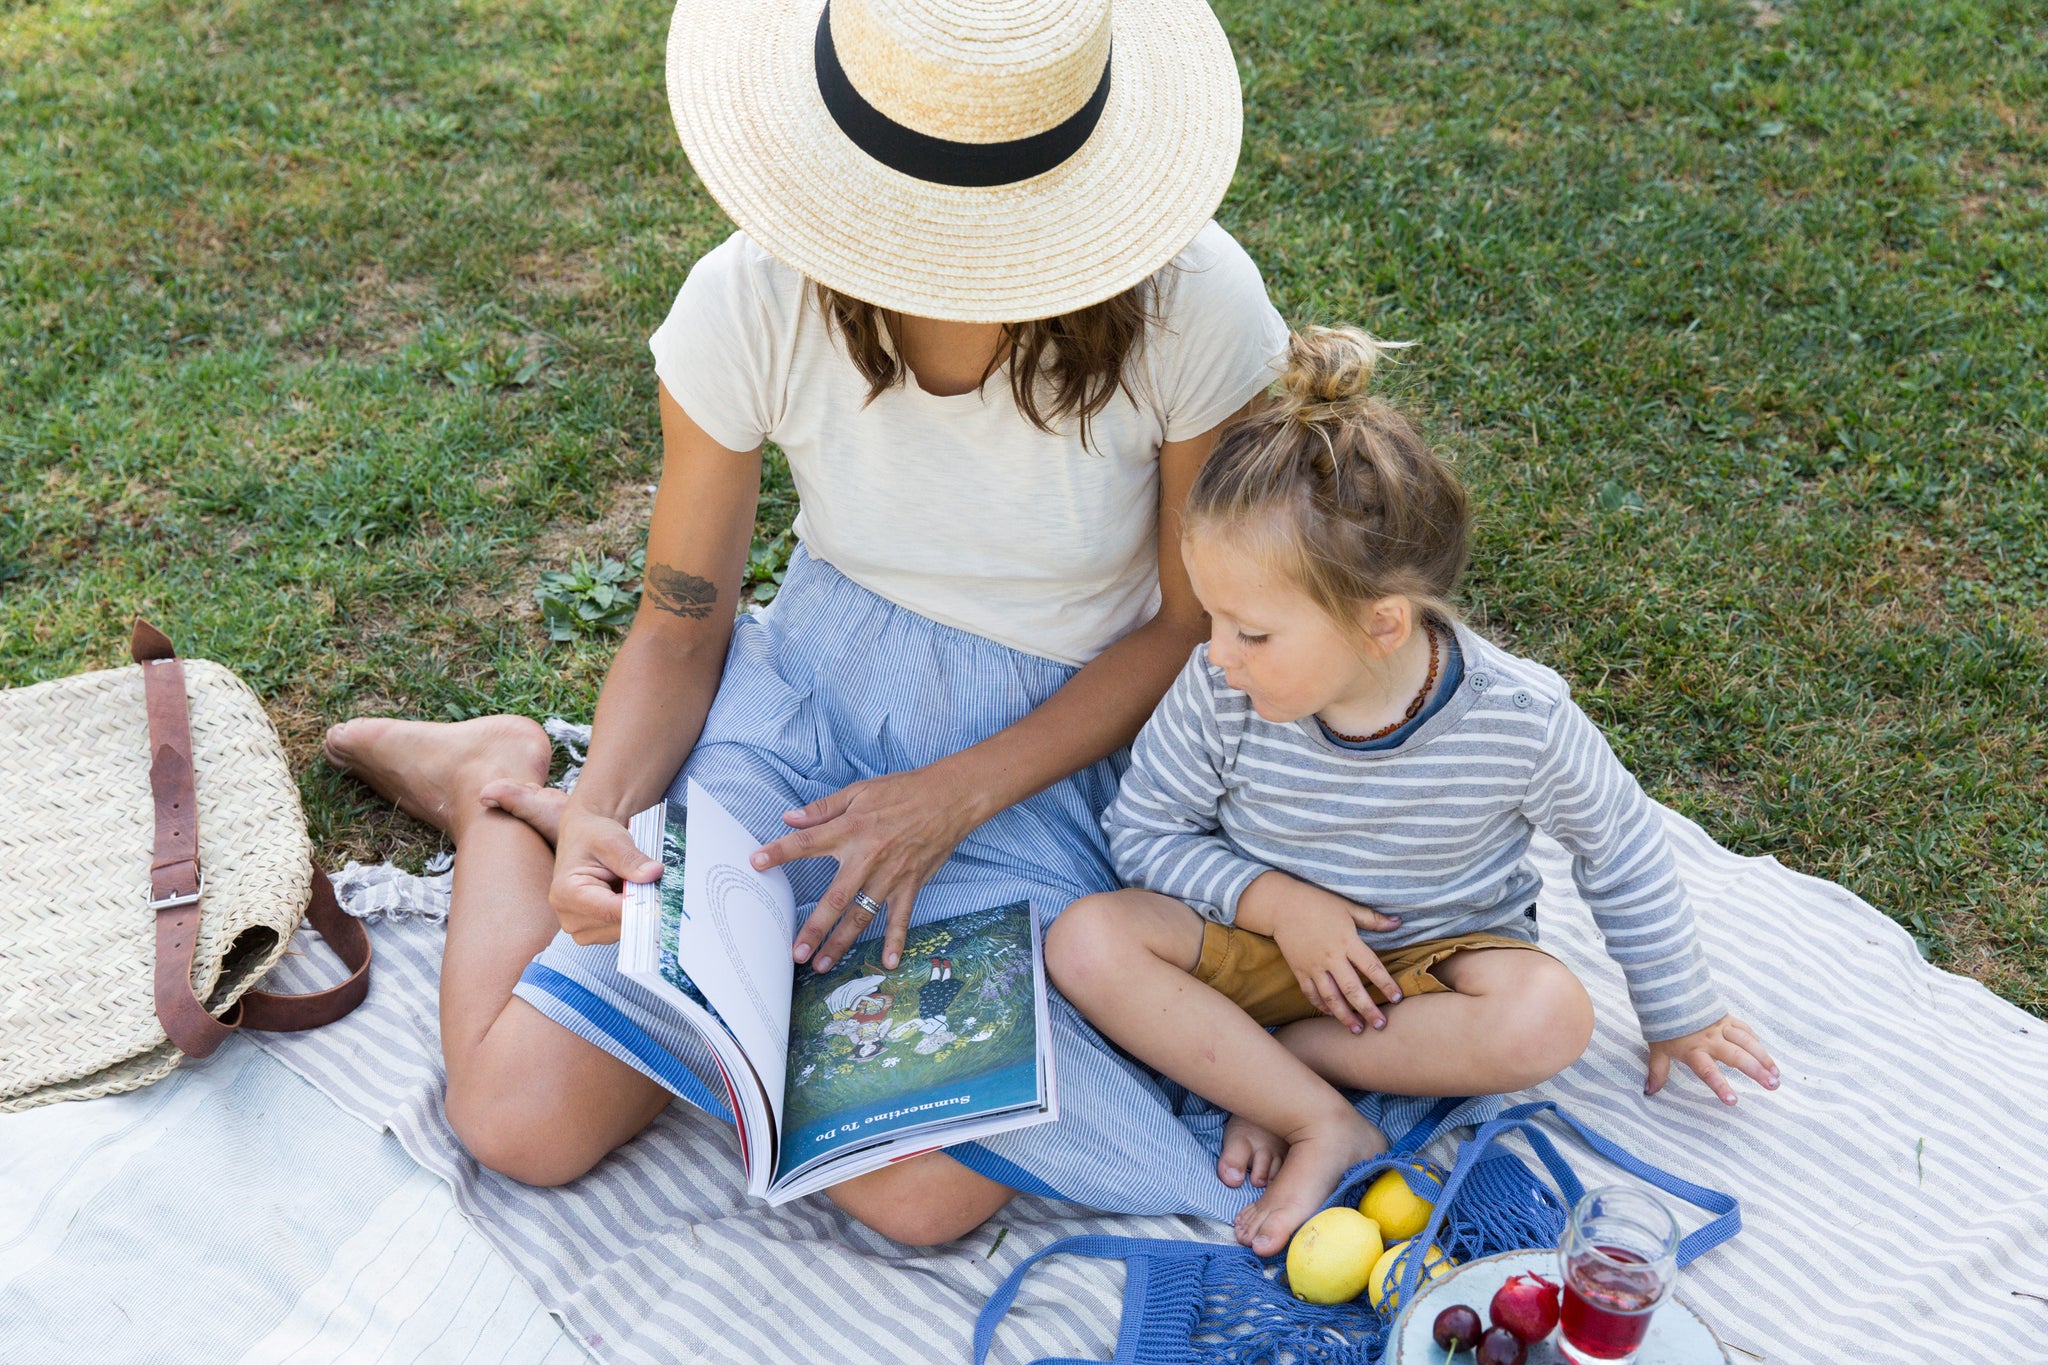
(742, 87)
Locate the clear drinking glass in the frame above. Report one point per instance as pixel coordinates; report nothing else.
(1619, 1260)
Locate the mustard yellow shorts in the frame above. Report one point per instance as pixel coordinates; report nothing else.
(1250, 969)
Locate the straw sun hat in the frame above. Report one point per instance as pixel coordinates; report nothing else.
(974, 160)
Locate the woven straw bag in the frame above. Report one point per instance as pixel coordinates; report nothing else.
(154, 864)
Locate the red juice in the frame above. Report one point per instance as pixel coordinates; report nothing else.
(1607, 1308)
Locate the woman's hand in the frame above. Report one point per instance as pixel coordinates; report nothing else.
(594, 857)
(890, 835)
(1728, 1040)
(1317, 931)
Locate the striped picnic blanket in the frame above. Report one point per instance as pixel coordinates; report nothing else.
(230, 1213)
(1895, 1192)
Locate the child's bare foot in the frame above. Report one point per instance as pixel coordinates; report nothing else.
(1316, 1160)
(536, 804)
(434, 771)
(1249, 1153)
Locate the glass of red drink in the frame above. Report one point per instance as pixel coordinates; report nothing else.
(1619, 1260)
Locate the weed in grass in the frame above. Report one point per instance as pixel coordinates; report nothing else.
(767, 565)
(467, 360)
(590, 598)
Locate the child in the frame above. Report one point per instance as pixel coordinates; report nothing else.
(1342, 743)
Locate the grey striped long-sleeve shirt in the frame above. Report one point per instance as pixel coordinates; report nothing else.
(1435, 830)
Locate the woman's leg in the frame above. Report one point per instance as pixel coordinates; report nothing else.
(1126, 960)
(924, 1201)
(1512, 1018)
(527, 1097)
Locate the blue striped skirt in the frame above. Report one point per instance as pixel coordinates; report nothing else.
(833, 684)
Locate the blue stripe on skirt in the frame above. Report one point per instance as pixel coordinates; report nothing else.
(833, 684)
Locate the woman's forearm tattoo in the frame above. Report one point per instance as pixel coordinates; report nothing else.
(679, 593)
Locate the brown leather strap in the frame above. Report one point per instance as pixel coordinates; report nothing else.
(175, 883)
(174, 861)
(274, 1013)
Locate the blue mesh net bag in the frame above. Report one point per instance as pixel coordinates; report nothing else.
(1205, 1303)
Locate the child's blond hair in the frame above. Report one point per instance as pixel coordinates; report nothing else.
(1335, 487)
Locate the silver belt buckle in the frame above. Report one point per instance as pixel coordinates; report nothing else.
(179, 901)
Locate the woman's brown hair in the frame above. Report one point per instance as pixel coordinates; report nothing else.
(1337, 487)
(1061, 368)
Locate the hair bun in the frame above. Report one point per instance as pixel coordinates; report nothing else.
(1329, 370)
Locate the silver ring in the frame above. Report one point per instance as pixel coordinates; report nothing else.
(868, 903)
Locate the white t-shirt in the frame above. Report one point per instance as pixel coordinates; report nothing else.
(957, 507)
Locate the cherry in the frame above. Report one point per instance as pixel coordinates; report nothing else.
(1501, 1347)
(1457, 1328)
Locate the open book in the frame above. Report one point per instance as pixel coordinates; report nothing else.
(833, 1074)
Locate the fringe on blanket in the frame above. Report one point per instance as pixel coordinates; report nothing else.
(574, 739)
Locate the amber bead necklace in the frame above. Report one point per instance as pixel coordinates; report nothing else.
(1414, 707)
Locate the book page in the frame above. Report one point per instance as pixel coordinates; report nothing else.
(733, 935)
(951, 1035)
(647, 955)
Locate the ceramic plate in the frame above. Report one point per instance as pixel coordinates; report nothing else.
(1676, 1336)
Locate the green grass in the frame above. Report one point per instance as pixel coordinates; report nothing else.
(321, 338)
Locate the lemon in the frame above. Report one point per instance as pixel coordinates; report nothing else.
(1399, 1211)
(1332, 1254)
(1384, 1283)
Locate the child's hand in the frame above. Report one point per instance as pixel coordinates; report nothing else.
(1728, 1040)
(1318, 935)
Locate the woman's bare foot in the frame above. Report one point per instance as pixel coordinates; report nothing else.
(1316, 1160)
(1249, 1153)
(433, 770)
(536, 804)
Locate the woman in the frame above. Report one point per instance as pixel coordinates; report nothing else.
(988, 599)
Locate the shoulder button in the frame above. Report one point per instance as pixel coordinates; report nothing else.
(1523, 699)
(1481, 681)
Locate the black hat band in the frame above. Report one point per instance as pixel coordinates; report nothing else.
(935, 159)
